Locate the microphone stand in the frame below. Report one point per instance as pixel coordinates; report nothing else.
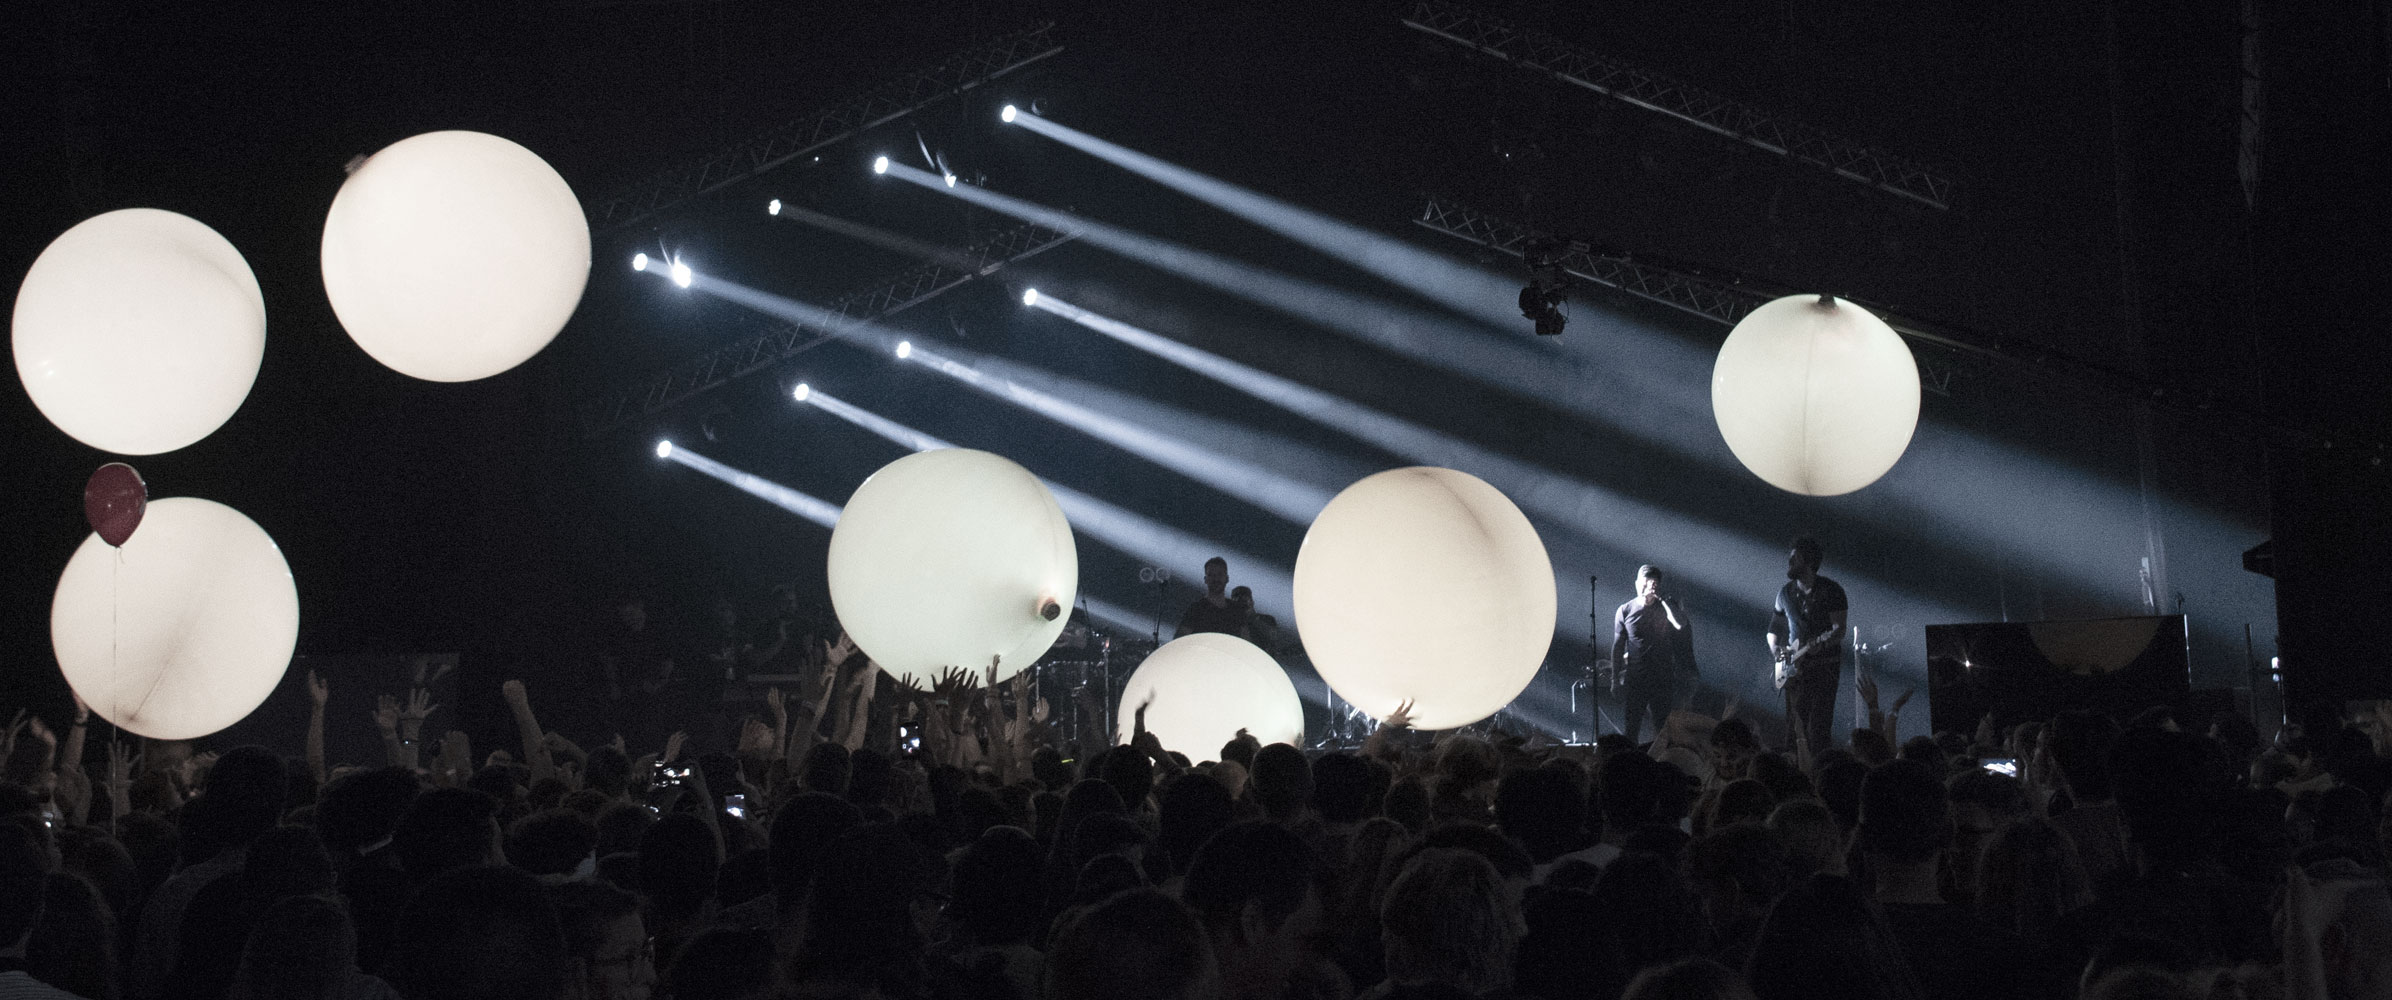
(1594, 656)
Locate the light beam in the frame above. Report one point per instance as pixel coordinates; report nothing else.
(803, 505)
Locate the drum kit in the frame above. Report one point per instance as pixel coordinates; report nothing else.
(1078, 678)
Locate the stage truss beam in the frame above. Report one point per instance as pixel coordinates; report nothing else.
(769, 341)
(1721, 301)
(1543, 53)
(895, 99)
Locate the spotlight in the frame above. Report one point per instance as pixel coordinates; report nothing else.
(881, 165)
(639, 261)
(1547, 287)
(801, 392)
(1030, 297)
(1006, 115)
(664, 449)
(681, 275)
(905, 349)
(950, 180)
(774, 208)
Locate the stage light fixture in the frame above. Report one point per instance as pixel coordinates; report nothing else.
(801, 392)
(950, 180)
(664, 449)
(774, 208)
(639, 261)
(681, 275)
(1006, 115)
(905, 349)
(1030, 297)
(881, 165)
(1547, 287)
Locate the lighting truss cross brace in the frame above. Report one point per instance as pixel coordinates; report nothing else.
(1711, 298)
(1539, 52)
(895, 99)
(769, 341)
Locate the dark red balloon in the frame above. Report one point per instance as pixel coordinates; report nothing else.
(113, 501)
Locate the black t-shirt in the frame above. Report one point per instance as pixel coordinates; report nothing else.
(1205, 616)
(1651, 639)
(1802, 617)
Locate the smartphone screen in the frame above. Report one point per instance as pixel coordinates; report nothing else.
(2004, 766)
(736, 805)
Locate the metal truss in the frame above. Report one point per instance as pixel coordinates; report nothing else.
(1539, 52)
(895, 99)
(766, 341)
(1722, 301)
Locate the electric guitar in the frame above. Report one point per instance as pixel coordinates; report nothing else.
(1789, 659)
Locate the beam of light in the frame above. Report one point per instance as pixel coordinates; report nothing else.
(1479, 294)
(1565, 506)
(1467, 290)
(1298, 500)
(1118, 527)
(1579, 384)
(875, 236)
(1286, 477)
(812, 509)
(639, 261)
(682, 275)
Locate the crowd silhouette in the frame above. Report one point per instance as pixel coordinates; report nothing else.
(861, 838)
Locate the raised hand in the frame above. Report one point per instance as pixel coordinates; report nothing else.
(319, 690)
(672, 746)
(778, 703)
(1866, 686)
(122, 763)
(419, 706)
(1904, 699)
(41, 731)
(1401, 718)
(836, 654)
(386, 713)
(515, 694)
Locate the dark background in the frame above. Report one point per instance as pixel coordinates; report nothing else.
(2102, 218)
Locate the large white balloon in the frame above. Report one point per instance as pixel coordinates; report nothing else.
(453, 256)
(945, 558)
(1205, 687)
(1425, 585)
(139, 331)
(1815, 395)
(185, 629)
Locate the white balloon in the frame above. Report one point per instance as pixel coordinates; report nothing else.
(945, 558)
(1205, 687)
(453, 256)
(184, 630)
(1425, 585)
(1815, 396)
(139, 331)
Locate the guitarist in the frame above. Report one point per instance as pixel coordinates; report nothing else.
(1805, 632)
